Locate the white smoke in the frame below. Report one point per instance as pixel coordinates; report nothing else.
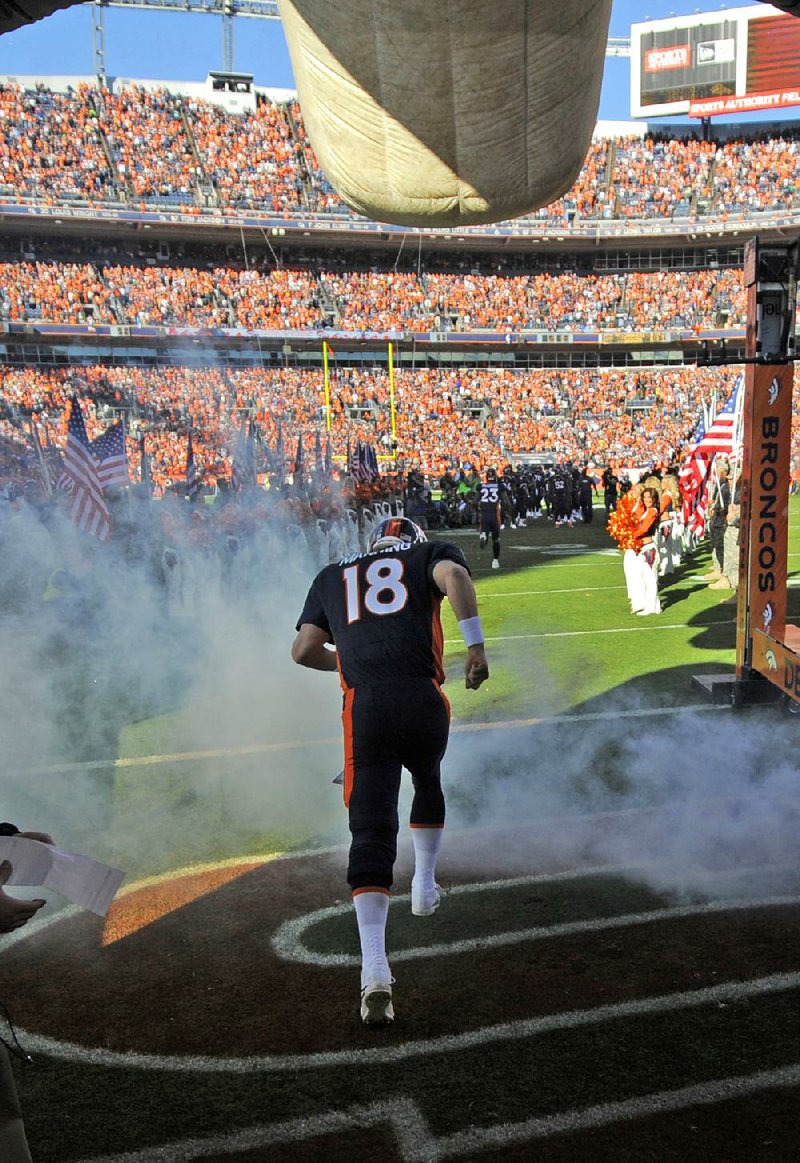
(155, 728)
(152, 725)
(687, 797)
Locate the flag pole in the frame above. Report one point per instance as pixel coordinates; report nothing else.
(738, 432)
(127, 470)
(391, 391)
(47, 484)
(327, 385)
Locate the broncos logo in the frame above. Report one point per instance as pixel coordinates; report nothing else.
(768, 615)
(774, 389)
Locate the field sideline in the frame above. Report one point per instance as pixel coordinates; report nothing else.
(614, 972)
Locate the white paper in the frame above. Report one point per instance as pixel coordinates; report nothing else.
(84, 881)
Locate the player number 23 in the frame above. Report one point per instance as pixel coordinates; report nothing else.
(385, 592)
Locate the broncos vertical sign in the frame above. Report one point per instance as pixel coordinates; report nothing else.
(761, 613)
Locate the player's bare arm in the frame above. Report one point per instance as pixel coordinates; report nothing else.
(311, 648)
(454, 581)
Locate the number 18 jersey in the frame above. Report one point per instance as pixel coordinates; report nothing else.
(382, 612)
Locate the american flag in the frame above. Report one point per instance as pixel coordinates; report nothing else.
(691, 475)
(695, 498)
(359, 469)
(371, 462)
(721, 434)
(243, 471)
(192, 479)
(299, 460)
(53, 459)
(112, 457)
(364, 465)
(721, 437)
(88, 507)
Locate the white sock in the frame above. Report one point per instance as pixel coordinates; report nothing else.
(372, 910)
(427, 843)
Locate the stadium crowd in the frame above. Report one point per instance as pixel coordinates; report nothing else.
(443, 417)
(259, 295)
(143, 146)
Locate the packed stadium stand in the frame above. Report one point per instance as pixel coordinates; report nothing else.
(180, 266)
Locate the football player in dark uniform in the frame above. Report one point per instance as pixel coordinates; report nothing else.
(489, 514)
(561, 487)
(381, 612)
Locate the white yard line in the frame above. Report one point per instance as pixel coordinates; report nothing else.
(647, 624)
(727, 993)
(288, 941)
(417, 1144)
(335, 740)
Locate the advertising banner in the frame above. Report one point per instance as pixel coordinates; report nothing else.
(749, 103)
(709, 64)
(681, 60)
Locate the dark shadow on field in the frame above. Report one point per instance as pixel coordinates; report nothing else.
(686, 581)
(715, 626)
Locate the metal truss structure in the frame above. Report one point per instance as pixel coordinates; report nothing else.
(618, 46)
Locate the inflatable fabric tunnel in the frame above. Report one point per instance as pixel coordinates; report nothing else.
(448, 112)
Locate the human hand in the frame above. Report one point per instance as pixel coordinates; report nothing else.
(42, 837)
(14, 913)
(476, 668)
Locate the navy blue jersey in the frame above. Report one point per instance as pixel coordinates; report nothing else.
(381, 610)
(490, 494)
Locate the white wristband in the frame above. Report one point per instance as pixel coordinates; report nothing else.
(471, 631)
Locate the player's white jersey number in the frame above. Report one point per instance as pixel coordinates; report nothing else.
(384, 592)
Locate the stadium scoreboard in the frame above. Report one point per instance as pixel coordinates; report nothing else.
(711, 64)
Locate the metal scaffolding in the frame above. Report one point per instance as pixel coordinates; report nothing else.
(617, 46)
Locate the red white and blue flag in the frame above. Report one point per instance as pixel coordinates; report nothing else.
(721, 437)
(80, 478)
(243, 472)
(364, 463)
(112, 457)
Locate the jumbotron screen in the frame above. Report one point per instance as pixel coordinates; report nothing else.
(741, 60)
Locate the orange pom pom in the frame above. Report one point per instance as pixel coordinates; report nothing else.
(622, 523)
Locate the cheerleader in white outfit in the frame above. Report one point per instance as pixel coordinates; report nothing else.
(644, 598)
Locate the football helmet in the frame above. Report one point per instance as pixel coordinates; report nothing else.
(396, 531)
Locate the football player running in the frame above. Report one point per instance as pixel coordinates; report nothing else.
(380, 610)
(489, 514)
